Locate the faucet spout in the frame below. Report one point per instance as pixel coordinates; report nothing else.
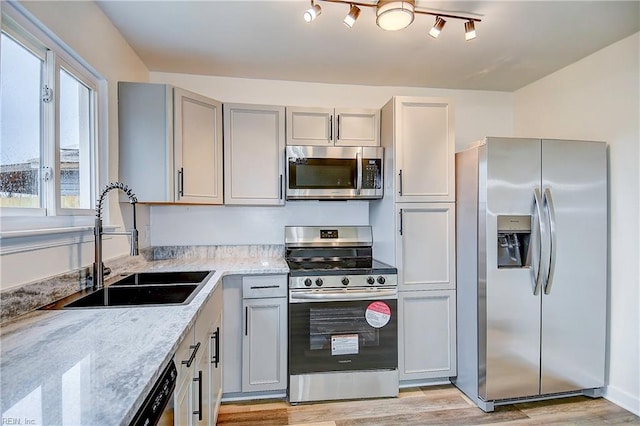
(98, 232)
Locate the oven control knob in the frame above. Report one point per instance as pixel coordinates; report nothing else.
(370, 280)
(381, 280)
(307, 282)
(345, 281)
(319, 282)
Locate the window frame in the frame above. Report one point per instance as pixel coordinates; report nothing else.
(23, 27)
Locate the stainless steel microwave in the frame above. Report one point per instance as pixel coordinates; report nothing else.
(334, 173)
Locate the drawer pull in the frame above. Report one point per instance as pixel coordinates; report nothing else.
(260, 287)
(215, 359)
(189, 361)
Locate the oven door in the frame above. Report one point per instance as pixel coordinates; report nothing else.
(342, 330)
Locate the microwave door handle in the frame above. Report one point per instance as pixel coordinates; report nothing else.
(358, 172)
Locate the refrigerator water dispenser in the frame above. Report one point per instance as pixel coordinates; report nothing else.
(514, 234)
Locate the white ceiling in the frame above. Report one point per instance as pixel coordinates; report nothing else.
(518, 41)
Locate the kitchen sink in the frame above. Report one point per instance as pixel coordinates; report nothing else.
(135, 296)
(139, 289)
(162, 278)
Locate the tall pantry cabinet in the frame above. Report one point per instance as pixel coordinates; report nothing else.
(414, 229)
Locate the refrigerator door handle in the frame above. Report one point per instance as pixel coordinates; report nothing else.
(537, 196)
(548, 202)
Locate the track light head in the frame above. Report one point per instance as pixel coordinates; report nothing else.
(312, 13)
(352, 16)
(437, 27)
(469, 30)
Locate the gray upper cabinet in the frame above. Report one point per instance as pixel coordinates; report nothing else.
(329, 126)
(253, 154)
(170, 144)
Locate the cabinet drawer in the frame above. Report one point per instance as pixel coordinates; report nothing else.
(259, 286)
(183, 353)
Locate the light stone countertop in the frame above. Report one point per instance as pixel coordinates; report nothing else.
(95, 366)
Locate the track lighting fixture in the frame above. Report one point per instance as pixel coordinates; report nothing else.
(437, 27)
(313, 12)
(469, 30)
(350, 19)
(393, 15)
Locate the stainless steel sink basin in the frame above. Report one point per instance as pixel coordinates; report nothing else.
(139, 289)
(136, 296)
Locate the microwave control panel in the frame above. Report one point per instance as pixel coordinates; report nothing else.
(371, 173)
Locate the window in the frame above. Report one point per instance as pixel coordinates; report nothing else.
(48, 111)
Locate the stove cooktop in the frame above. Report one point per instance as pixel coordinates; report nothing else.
(332, 268)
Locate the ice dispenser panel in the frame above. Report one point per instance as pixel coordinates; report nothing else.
(514, 234)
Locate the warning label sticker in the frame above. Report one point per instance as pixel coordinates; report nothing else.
(344, 344)
(378, 314)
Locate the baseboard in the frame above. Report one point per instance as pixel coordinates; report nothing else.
(623, 399)
(423, 382)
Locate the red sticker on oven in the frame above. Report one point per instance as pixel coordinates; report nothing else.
(378, 314)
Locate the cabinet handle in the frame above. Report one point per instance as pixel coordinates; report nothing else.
(400, 182)
(199, 380)
(260, 287)
(181, 182)
(246, 320)
(189, 361)
(337, 127)
(215, 360)
(281, 186)
(330, 128)
(400, 221)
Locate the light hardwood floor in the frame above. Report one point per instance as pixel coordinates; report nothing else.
(434, 405)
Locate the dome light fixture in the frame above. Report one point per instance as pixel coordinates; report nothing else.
(394, 15)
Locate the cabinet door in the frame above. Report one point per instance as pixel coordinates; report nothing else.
(427, 334)
(197, 148)
(182, 405)
(357, 127)
(215, 370)
(309, 126)
(145, 135)
(425, 149)
(426, 246)
(183, 396)
(232, 334)
(264, 349)
(202, 403)
(253, 154)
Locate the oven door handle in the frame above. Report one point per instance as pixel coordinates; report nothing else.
(320, 296)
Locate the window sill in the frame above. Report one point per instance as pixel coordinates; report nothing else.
(17, 241)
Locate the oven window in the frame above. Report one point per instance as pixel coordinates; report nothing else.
(336, 336)
(328, 323)
(314, 173)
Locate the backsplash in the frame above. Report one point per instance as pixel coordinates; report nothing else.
(217, 252)
(29, 297)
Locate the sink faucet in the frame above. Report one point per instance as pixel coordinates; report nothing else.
(98, 232)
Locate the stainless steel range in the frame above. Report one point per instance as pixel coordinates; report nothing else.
(343, 329)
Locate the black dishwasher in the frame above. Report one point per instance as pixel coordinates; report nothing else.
(157, 408)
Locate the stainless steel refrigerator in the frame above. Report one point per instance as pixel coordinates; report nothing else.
(531, 269)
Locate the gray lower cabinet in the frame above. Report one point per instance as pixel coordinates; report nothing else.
(198, 359)
(427, 334)
(255, 334)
